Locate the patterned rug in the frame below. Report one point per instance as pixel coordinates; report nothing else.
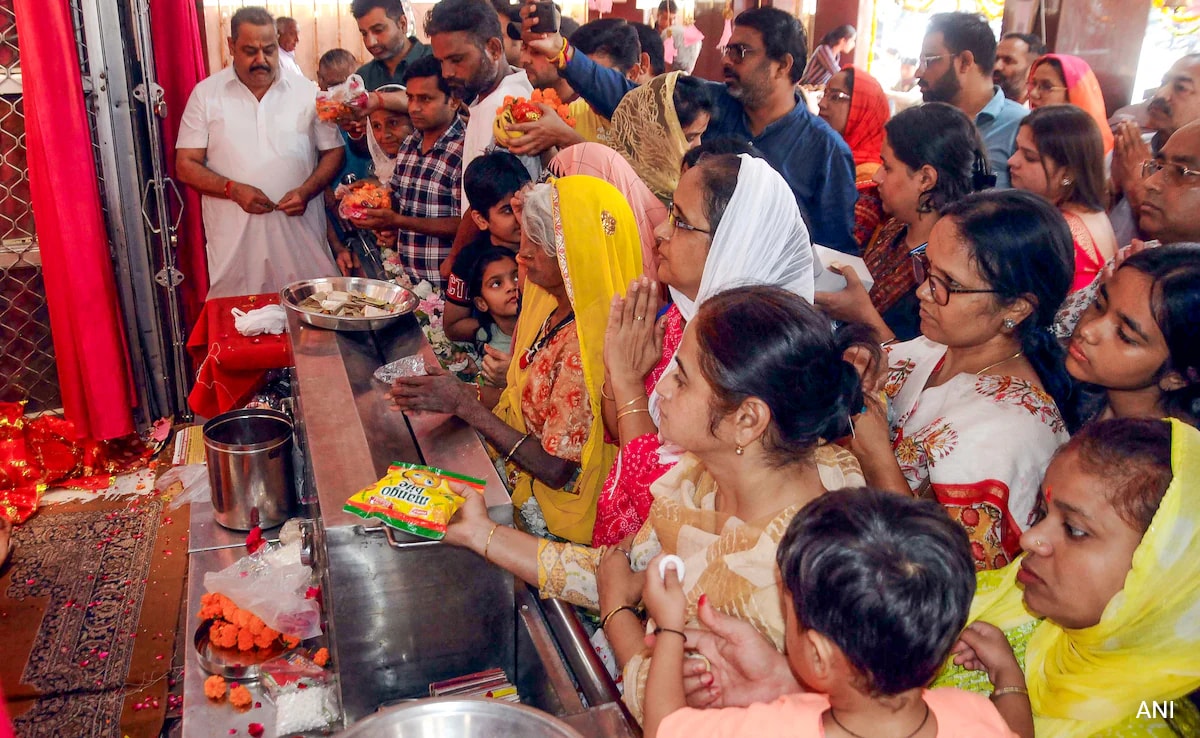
(88, 611)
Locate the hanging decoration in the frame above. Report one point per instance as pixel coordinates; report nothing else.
(1184, 15)
(991, 9)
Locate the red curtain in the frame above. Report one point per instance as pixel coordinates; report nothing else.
(85, 322)
(179, 64)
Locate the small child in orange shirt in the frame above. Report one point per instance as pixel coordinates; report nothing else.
(878, 587)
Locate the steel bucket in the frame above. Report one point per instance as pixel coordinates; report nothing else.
(249, 454)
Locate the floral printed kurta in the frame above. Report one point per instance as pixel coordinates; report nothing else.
(555, 401)
(978, 444)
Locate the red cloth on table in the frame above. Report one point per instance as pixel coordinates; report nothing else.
(231, 366)
(81, 292)
(179, 64)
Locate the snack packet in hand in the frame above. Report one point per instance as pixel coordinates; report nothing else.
(412, 498)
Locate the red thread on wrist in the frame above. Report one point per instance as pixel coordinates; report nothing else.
(229, 189)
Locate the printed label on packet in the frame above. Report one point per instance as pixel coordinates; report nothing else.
(412, 498)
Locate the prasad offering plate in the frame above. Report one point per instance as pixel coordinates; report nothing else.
(230, 662)
(394, 300)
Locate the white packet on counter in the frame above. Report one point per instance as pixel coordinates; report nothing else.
(193, 477)
(270, 319)
(409, 366)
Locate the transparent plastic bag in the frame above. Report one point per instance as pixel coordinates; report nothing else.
(305, 695)
(193, 477)
(331, 102)
(272, 584)
(409, 366)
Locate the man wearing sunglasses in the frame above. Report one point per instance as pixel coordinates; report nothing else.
(958, 55)
(763, 60)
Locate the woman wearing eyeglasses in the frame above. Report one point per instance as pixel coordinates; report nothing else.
(855, 105)
(930, 154)
(1055, 79)
(733, 223)
(972, 415)
(1059, 156)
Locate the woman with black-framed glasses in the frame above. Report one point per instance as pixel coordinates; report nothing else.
(972, 413)
(931, 156)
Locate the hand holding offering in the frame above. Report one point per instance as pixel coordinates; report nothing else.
(518, 110)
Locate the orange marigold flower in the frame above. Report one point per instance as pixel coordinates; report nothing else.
(223, 634)
(321, 657)
(291, 641)
(240, 697)
(256, 625)
(264, 640)
(245, 640)
(214, 688)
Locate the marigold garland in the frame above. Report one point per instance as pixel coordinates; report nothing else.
(234, 627)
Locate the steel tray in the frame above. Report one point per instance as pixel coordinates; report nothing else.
(399, 297)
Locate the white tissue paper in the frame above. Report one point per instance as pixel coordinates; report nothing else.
(270, 319)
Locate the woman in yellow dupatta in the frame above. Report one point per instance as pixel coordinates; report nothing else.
(1103, 611)
(579, 247)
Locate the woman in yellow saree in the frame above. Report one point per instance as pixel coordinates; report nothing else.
(579, 247)
(1102, 614)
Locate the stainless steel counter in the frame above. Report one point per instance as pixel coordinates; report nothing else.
(402, 612)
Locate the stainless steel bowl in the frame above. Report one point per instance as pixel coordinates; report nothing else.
(403, 300)
(455, 717)
(229, 662)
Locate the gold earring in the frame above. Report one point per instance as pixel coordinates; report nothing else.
(740, 451)
(1066, 181)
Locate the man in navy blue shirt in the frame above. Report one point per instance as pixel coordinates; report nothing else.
(763, 61)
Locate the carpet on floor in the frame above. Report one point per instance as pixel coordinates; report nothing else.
(89, 606)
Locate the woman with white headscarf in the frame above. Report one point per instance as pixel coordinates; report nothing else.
(733, 222)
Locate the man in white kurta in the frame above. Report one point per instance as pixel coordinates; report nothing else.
(251, 143)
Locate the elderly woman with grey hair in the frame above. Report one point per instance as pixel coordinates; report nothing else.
(579, 247)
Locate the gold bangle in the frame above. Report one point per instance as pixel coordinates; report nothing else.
(632, 411)
(1008, 690)
(516, 446)
(610, 398)
(488, 544)
(604, 620)
(627, 404)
